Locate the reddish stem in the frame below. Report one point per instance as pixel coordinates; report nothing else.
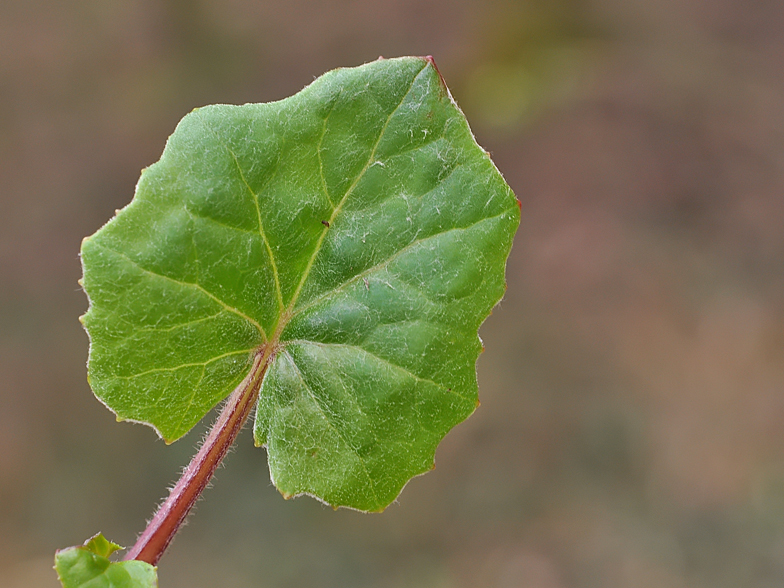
(172, 513)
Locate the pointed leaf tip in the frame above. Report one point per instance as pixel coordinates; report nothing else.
(431, 60)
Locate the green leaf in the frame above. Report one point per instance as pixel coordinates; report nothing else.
(354, 229)
(88, 566)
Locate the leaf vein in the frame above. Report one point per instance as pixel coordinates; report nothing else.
(380, 265)
(184, 365)
(333, 426)
(383, 360)
(154, 329)
(255, 198)
(198, 287)
(349, 190)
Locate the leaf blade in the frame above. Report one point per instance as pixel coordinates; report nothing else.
(359, 229)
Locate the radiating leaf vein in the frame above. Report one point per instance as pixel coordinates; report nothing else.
(255, 198)
(382, 264)
(380, 359)
(184, 365)
(155, 329)
(334, 427)
(198, 287)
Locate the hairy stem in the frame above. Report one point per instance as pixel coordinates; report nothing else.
(172, 513)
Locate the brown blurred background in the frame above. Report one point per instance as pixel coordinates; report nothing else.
(631, 432)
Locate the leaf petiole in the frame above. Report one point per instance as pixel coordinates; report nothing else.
(174, 510)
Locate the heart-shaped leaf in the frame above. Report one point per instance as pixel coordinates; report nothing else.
(354, 231)
(88, 566)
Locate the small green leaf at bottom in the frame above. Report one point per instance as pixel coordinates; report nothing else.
(88, 566)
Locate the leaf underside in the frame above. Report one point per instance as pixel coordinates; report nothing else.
(358, 229)
(88, 566)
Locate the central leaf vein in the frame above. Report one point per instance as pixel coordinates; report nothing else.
(345, 197)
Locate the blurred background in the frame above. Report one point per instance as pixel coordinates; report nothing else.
(631, 432)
